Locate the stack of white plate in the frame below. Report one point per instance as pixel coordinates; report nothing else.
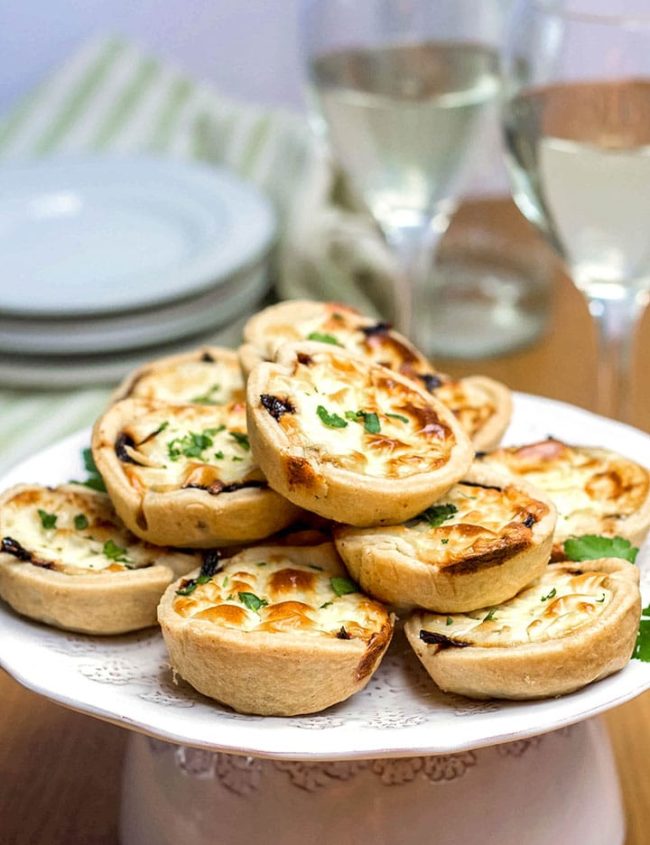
(108, 262)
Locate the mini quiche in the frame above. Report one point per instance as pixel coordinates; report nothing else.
(67, 560)
(483, 406)
(210, 375)
(595, 491)
(349, 440)
(479, 544)
(576, 624)
(275, 631)
(184, 475)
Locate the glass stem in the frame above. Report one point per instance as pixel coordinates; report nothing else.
(616, 322)
(414, 248)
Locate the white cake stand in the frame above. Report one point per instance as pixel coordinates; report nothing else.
(400, 762)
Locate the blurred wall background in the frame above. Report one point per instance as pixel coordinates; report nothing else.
(248, 48)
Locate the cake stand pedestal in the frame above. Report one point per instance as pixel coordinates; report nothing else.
(556, 789)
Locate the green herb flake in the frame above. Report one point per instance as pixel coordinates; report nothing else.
(262, 563)
(188, 587)
(94, 480)
(191, 445)
(322, 337)
(490, 616)
(81, 521)
(550, 595)
(642, 647)
(593, 547)
(371, 423)
(208, 397)
(236, 458)
(327, 604)
(343, 586)
(399, 417)
(450, 621)
(330, 420)
(444, 541)
(313, 566)
(252, 602)
(114, 552)
(437, 514)
(48, 520)
(218, 455)
(601, 599)
(242, 439)
(225, 581)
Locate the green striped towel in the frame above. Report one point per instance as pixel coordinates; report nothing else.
(113, 97)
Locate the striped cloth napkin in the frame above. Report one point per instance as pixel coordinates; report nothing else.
(113, 97)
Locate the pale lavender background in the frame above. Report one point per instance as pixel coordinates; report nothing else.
(246, 47)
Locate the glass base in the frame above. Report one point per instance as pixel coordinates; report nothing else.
(475, 311)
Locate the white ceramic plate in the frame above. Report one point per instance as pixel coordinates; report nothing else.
(212, 309)
(98, 234)
(126, 680)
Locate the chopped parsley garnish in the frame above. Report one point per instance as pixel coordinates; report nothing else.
(242, 439)
(262, 563)
(327, 604)
(313, 566)
(490, 616)
(252, 601)
(437, 514)
(218, 455)
(94, 480)
(450, 621)
(444, 541)
(81, 521)
(322, 337)
(593, 547)
(236, 458)
(208, 397)
(192, 444)
(642, 647)
(369, 418)
(191, 585)
(114, 552)
(550, 595)
(48, 520)
(342, 586)
(399, 417)
(330, 420)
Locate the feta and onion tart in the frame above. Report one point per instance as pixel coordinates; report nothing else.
(350, 440)
(483, 406)
(210, 375)
(184, 475)
(574, 625)
(595, 490)
(67, 560)
(479, 544)
(274, 630)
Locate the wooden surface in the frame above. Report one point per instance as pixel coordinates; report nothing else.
(59, 771)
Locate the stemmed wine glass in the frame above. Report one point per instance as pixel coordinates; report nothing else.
(577, 130)
(399, 88)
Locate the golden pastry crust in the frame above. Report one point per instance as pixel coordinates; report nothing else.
(478, 545)
(595, 490)
(276, 631)
(66, 560)
(210, 375)
(184, 475)
(575, 625)
(483, 406)
(351, 441)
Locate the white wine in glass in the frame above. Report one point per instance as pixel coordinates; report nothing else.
(401, 118)
(399, 89)
(577, 130)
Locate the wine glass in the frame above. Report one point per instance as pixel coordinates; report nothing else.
(398, 87)
(577, 130)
